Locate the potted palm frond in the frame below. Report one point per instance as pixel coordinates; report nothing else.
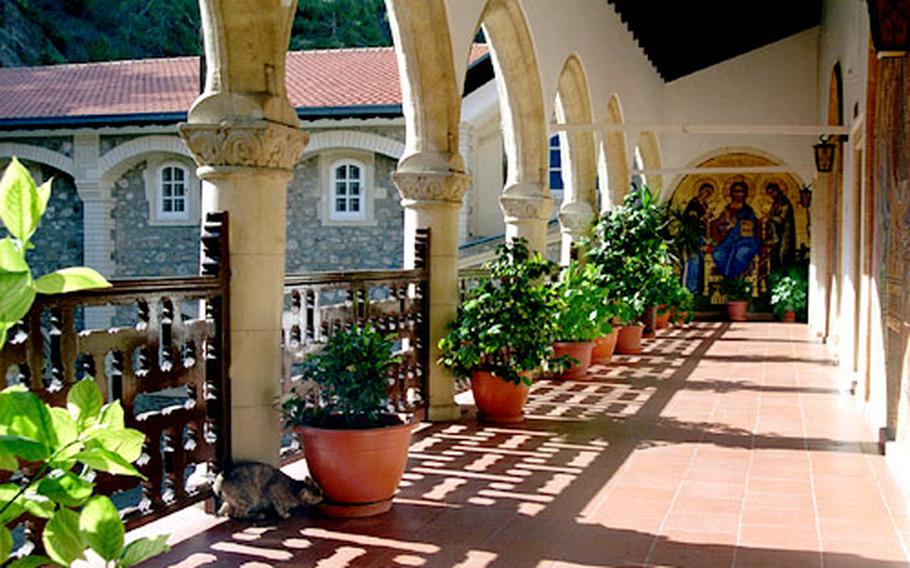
(503, 332)
(354, 442)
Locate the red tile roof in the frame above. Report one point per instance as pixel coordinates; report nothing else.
(319, 78)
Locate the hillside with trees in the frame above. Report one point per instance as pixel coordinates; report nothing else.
(47, 32)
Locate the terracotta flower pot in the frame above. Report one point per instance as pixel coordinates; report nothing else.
(578, 350)
(649, 319)
(358, 470)
(628, 342)
(604, 347)
(498, 401)
(662, 320)
(736, 311)
(789, 316)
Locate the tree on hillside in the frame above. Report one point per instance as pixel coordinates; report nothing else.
(321, 24)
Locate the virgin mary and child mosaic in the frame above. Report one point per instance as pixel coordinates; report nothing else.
(744, 232)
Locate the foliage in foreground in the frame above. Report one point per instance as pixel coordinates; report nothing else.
(22, 205)
(54, 454)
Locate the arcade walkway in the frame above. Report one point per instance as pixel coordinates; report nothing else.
(721, 446)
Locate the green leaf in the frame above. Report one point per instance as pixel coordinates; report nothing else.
(101, 527)
(101, 459)
(142, 549)
(126, 442)
(44, 194)
(68, 489)
(84, 402)
(37, 505)
(8, 463)
(65, 428)
(31, 561)
(8, 492)
(23, 414)
(17, 293)
(3, 327)
(6, 543)
(70, 280)
(111, 416)
(61, 538)
(12, 259)
(20, 203)
(22, 447)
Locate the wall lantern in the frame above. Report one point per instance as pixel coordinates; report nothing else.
(824, 155)
(805, 196)
(890, 26)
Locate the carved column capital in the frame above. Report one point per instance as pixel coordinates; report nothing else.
(418, 187)
(251, 144)
(516, 208)
(575, 217)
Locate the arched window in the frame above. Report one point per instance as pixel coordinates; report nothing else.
(348, 188)
(173, 196)
(556, 181)
(638, 165)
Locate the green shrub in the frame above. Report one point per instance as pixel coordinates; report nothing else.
(346, 384)
(506, 323)
(582, 311)
(54, 453)
(790, 293)
(736, 289)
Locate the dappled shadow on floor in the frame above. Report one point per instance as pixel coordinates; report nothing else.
(643, 464)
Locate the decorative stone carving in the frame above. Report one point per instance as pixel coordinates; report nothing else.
(575, 217)
(258, 144)
(518, 207)
(417, 187)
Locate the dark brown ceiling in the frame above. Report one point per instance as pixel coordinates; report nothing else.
(684, 36)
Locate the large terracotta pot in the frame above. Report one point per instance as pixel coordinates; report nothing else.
(604, 347)
(662, 319)
(498, 401)
(789, 316)
(578, 350)
(628, 342)
(358, 470)
(649, 319)
(736, 311)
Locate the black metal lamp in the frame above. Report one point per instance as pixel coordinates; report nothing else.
(805, 196)
(824, 155)
(890, 26)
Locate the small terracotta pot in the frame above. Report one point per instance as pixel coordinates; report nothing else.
(789, 316)
(498, 401)
(578, 350)
(680, 317)
(628, 342)
(736, 311)
(604, 347)
(662, 320)
(358, 470)
(649, 320)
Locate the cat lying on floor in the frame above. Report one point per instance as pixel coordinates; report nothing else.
(255, 491)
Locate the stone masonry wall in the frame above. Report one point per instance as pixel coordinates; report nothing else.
(141, 249)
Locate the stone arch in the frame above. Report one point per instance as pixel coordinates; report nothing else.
(614, 163)
(774, 159)
(524, 127)
(574, 107)
(431, 97)
(116, 161)
(356, 140)
(39, 155)
(649, 146)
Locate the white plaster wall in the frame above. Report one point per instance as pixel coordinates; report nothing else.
(488, 181)
(591, 29)
(775, 84)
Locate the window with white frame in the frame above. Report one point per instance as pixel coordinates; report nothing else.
(173, 192)
(556, 181)
(348, 183)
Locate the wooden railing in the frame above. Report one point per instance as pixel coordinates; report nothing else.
(165, 358)
(394, 302)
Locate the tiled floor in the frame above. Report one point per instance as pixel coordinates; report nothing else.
(720, 446)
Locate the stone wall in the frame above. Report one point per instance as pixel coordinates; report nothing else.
(141, 249)
(314, 247)
(58, 241)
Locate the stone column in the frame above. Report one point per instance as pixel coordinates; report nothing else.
(574, 222)
(527, 213)
(432, 199)
(245, 168)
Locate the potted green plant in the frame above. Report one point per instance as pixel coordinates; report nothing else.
(578, 318)
(737, 291)
(626, 246)
(354, 442)
(605, 344)
(503, 332)
(665, 291)
(684, 306)
(789, 295)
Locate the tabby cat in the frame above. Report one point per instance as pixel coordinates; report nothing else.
(254, 491)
